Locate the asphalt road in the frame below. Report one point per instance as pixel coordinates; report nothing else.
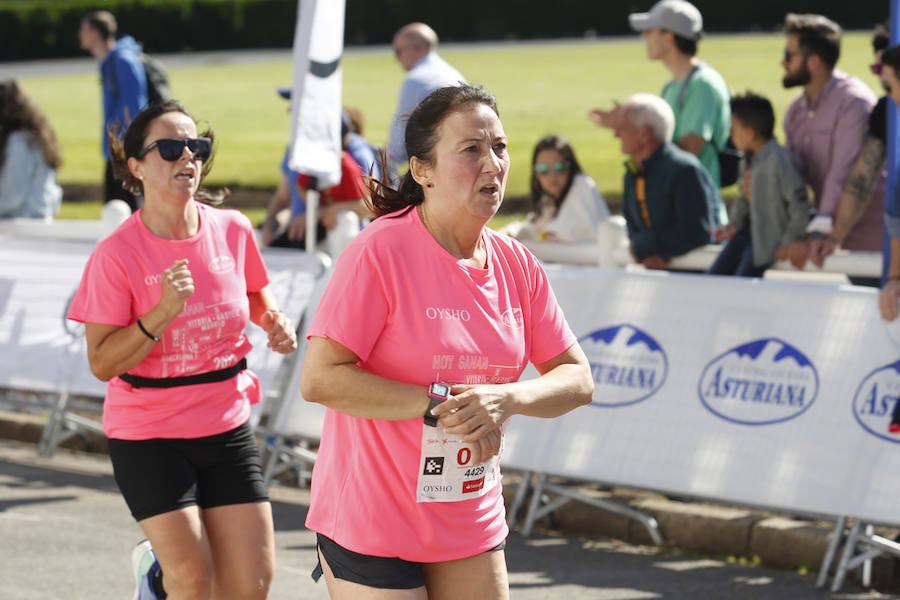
(66, 534)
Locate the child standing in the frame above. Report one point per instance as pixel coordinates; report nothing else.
(772, 209)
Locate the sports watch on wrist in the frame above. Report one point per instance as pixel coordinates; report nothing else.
(437, 393)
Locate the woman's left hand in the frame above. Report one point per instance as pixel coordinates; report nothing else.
(282, 337)
(474, 411)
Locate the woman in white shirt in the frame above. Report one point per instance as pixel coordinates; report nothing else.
(29, 157)
(566, 205)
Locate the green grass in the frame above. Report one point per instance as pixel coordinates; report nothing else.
(541, 89)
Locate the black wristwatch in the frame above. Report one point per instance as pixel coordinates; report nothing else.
(437, 393)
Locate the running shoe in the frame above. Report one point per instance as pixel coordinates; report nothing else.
(144, 566)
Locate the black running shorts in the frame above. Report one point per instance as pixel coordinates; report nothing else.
(160, 475)
(373, 571)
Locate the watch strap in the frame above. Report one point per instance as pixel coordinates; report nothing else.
(430, 419)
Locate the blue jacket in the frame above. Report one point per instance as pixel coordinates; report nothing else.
(124, 87)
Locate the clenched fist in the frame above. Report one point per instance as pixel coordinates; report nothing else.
(177, 286)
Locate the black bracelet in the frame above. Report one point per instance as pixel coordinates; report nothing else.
(147, 333)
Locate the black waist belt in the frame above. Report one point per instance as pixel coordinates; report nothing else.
(169, 382)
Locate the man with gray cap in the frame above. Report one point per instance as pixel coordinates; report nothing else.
(697, 93)
(415, 46)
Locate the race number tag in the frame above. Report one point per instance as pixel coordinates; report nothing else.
(446, 472)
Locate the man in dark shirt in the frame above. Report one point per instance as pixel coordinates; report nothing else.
(669, 200)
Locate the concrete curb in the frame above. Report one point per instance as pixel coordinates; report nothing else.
(737, 533)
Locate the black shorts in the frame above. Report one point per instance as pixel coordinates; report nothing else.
(160, 475)
(373, 571)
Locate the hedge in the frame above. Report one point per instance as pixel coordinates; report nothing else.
(32, 29)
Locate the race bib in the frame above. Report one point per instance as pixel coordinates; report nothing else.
(446, 472)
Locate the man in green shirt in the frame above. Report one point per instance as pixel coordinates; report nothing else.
(697, 93)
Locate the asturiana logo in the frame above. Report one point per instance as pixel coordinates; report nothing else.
(761, 382)
(627, 364)
(876, 399)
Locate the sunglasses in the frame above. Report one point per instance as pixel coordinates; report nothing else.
(171, 149)
(558, 167)
(875, 68)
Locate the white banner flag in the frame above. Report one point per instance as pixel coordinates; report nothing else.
(316, 93)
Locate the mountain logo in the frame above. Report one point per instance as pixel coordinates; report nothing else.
(875, 401)
(762, 382)
(627, 365)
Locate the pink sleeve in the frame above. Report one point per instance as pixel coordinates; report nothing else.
(255, 272)
(550, 333)
(104, 294)
(849, 132)
(355, 307)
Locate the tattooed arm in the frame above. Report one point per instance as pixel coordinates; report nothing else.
(854, 198)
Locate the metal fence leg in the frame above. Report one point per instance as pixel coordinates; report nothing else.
(849, 548)
(836, 536)
(531, 515)
(867, 565)
(53, 429)
(518, 499)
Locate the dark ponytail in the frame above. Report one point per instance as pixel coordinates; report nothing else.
(421, 138)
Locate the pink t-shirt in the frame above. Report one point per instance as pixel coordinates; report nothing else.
(413, 313)
(121, 282)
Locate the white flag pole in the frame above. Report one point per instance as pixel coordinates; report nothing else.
(316, 101)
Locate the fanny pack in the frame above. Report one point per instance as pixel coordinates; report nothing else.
(137, 381)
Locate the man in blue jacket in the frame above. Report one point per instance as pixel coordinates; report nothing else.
(669, 200)
(124, 84)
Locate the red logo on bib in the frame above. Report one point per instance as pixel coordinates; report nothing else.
(472, 486)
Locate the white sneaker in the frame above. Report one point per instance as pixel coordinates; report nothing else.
(144, 566)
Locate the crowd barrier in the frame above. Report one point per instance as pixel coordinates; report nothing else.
(773, 394)
(44, 354)
(611, 250)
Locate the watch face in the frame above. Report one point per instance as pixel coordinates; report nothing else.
(439, 389)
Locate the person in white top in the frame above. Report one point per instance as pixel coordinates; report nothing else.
(29, 157)
(415, 46)
(566, 205)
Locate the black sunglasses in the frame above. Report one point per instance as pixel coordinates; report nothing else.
(171, 149)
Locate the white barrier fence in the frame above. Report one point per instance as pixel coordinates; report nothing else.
(773, 394)
(43, 352)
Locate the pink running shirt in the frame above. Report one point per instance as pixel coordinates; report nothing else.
(121, 282)
(413, 313)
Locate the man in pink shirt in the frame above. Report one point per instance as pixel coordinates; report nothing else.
(826, 126)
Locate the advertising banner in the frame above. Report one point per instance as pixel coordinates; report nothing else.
(766, 393)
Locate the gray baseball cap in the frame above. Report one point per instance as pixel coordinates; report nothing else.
(679, 17)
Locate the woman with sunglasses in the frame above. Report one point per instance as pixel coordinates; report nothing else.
(165, 300)
(566, 205)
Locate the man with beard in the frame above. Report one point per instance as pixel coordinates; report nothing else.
(826, 127)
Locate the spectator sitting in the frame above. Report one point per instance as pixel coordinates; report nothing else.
(29, 157)
(364, 153)
(285, 222)
(669, 200)
(772, 210)
(340, 211)
(826, 126)
(865, 180)
(566, 205)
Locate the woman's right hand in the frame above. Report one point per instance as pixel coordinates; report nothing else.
(177, 286)
(486, 447)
